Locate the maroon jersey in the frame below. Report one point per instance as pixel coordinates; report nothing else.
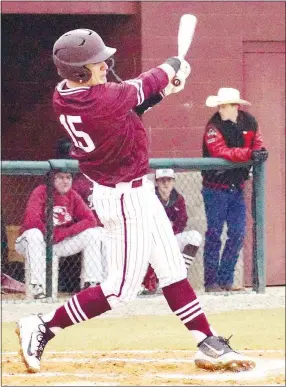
(109, 138)
(70, 214)
(176, 210)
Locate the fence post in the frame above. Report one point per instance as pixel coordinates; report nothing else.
(49, 240)
(258, 211)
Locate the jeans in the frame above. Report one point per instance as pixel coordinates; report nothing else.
(223, 206)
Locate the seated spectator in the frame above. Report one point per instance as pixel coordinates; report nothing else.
(175, 207)
(75, 230)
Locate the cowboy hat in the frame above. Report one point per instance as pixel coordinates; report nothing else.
(226, 95)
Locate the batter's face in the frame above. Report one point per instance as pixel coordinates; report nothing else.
(165, 186)
(228, 112)
(63, 182)
(98, 71)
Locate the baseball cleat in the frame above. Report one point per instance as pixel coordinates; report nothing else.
(215, 353)
(33, 336)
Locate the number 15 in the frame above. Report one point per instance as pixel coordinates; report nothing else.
(68, 123)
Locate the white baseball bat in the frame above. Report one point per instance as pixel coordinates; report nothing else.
(186, 32)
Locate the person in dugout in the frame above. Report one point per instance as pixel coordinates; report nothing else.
(75, 230)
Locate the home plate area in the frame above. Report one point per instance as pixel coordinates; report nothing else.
(135, 368)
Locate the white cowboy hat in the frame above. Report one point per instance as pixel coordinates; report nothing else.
(225, 95)
(164, 173)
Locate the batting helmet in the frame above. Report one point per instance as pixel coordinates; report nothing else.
(77, 48)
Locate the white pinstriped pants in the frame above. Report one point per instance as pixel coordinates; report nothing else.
(136, 225)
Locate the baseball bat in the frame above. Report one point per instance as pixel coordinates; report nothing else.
(186, 32)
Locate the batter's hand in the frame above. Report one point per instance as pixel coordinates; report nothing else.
(181, 75)
(171, 89)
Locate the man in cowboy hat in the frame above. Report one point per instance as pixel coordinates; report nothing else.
(234, 135)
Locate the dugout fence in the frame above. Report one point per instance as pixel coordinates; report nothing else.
(19, 178)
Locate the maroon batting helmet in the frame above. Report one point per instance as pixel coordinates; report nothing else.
(77, 48)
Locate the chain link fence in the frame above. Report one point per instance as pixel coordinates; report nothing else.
(68, 273)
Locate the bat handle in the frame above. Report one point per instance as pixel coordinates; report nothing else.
(176, 81)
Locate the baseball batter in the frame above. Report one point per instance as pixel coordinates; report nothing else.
(111, 144)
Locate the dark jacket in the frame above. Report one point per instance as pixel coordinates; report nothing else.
(176, 210)
(233, 142)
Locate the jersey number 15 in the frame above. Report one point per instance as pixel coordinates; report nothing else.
(68, 123)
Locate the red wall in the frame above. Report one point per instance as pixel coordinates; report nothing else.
(216, 56)
(236, 44)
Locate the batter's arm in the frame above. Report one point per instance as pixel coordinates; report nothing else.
(148, 104)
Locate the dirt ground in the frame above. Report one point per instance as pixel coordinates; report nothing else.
(150, 350)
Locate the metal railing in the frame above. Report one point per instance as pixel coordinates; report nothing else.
(38, 168)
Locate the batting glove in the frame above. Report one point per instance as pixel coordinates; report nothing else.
(171, 89)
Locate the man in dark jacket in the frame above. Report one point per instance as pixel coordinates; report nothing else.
(175, 207)
(234, 135)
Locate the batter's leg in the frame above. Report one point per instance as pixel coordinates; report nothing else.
(170, 268)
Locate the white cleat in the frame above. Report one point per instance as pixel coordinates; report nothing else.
(215, 353)
(33, 335)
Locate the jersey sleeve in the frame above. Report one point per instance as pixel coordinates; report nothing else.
(217, 146)
(125, 96)
(34, 216)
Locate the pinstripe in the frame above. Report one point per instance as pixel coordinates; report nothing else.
(137, 204)
(164, 242)
(118, 254)
(133, 243)
(125, 249)
(135, 221)
(139, 251)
